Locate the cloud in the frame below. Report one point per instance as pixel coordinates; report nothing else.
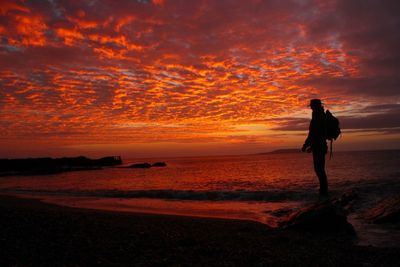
(365, 86)
(384, 117)
(89, 67)
(366, 31)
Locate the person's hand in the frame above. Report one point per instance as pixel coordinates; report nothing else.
(303, 148)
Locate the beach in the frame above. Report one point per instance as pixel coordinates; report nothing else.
(34, 233)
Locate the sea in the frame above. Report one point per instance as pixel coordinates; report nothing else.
(264, 187)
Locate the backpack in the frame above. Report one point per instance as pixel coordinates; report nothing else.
(332, 128)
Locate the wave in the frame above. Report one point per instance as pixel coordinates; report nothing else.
(371, 189)
(270, 196)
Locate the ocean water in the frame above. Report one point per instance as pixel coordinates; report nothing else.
(254, 187)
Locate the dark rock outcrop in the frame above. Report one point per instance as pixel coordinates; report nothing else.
(109, 161)
(348, 197)
(327, 216)
(37, 166)
(144, 165)
(159, 164)
(386, 211)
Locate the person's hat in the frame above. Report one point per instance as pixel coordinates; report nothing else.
(315, 102)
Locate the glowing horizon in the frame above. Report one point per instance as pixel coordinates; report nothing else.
(156, 78)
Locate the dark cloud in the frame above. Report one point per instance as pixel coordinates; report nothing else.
(387, 116)
(367, 30)
(372, 118)
(365, 86)
(289, 124)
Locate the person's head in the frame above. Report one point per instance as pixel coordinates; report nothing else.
(316, 104)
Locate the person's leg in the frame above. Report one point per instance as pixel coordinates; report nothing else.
(319, 167)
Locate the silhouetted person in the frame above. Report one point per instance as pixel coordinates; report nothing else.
(316, 143)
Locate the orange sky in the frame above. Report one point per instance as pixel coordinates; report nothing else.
(168, 78)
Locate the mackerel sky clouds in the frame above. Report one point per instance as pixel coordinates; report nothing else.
(149, 78)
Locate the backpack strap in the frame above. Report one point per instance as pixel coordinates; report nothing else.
(331, 152)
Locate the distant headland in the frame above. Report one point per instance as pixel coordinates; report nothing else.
(281, 151)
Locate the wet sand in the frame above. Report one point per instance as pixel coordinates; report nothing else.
(33, 233)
